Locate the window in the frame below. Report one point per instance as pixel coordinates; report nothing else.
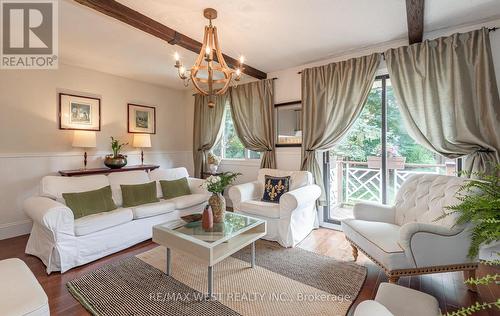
(229, 145)
(354, 167)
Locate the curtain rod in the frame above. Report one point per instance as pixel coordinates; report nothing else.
(490, 29)
(275, 78)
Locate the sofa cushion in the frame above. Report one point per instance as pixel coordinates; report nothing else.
(167, 174)
(138, 194)
(186, 201)
(54, 186)
(20, 292)
(128, 177)
(378, 239)
(174, 188)
(152, 209)
(260, 208)
(90, 202)
(96, 222)
(298, 179)
(274, 188)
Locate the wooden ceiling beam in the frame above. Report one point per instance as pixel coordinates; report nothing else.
(415, 20)
(138, 20)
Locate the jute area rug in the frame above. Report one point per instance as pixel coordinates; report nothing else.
(284, 282)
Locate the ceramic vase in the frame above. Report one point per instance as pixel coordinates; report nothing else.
(207, 219)
(218, 204)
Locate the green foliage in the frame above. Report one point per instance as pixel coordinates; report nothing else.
(475, 308)
(116, 146)
(483, 280)
(217, 184)
(480, 205)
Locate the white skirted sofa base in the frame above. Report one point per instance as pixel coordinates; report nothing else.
(62, 242)
(288, 222)
(406, 238)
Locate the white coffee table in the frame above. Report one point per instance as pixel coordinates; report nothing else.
(236, 232)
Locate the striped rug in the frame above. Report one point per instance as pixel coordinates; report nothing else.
(285, 282)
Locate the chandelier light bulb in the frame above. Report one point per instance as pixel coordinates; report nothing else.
(207, 50)
(176, 56)
(242, 59)
(182, 70)
(238, 72)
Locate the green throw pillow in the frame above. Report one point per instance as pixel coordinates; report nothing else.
(90, 202)
(175, 188)
(137, 194)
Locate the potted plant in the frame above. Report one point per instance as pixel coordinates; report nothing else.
(479, 205)
(213, 162)
(216, 185)
(116, 160)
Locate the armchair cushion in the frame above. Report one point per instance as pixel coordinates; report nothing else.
(297, 178)
(379, 240)
(244, 192)
(96, 222)
(275, 187)
(261, 208)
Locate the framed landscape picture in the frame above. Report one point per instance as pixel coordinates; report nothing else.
(79, 112)
(141, 119)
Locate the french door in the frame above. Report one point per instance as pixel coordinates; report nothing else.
(374, 158)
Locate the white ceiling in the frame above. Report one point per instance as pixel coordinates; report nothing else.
(271, 34)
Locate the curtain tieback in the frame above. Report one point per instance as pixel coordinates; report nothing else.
(484, 151)
(309, 150)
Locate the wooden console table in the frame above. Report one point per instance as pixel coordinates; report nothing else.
(105, 170)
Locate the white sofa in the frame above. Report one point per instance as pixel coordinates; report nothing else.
(405, 239)
(62, 242)
(288, 222)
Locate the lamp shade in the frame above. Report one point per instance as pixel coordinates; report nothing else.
(142, 141)
(84, 139)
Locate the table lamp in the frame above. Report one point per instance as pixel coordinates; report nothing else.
(142, 141)
(84, 139)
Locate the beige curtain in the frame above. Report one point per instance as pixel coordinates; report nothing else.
(207, 127)
(252, 109)
(448, 96)
(332, 98)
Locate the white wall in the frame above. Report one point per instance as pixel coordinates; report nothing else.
(31, 145)
(287, 88)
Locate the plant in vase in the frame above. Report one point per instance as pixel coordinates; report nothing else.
(479, 206)
(216, 185)
(116, 160)
(213, 162)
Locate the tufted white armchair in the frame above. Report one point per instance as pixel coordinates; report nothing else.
(405, 239)
(288, 222)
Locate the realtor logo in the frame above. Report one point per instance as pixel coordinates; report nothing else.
(29, 37)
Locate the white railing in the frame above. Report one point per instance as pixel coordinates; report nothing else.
(352, 181)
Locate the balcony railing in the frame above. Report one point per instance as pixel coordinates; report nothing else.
(353, 181)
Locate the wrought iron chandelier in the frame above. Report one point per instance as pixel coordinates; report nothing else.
(210, 74)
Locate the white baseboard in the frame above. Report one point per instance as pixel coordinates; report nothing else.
(14, 229)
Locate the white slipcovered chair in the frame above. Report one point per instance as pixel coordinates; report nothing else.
(288, 222)
(405, 239)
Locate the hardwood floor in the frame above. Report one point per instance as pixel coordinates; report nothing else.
(448, 288)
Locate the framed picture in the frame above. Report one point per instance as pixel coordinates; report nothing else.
(79, 112)
(141, 119)
(289, 124)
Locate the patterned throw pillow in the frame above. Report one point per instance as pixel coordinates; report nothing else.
(274, 188)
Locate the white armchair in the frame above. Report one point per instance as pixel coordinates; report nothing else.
(288, 222)
(405, 239)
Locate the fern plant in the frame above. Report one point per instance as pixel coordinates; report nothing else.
(479, 204)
